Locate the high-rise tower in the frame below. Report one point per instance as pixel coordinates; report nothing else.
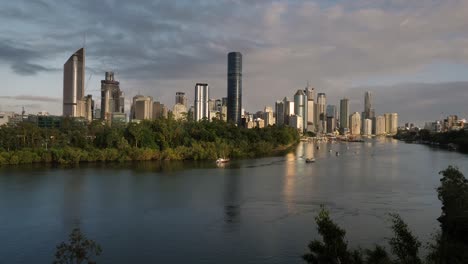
(112, 100)
(344, 113)
(201, 104)
(311, 122)
(74, 102)
(321, 115)
(234, 87)
(369, 111)
(300, 106)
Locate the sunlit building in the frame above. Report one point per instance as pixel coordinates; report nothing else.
(380, 126)
(74, 101)
(142, 107)
(300, 106)
(355, 124)
(367, 131)
(201, 104)
(112, 99)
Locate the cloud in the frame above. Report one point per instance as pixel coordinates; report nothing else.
(162, 47)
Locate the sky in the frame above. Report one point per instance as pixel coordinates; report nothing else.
(412, 54)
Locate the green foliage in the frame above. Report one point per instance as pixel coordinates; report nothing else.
(333, 249)
(78, 250)
(167, 139)
(459, 138)
(405, 246)
(451, 244)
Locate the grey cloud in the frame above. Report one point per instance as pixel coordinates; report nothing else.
(163, 46)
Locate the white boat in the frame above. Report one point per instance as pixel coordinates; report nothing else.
(222, 160)
(312, 160)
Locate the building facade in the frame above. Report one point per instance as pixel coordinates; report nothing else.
(344, 113)
(142, 108)
(321, 115)
(380, 125)
(201, 103)
(279, 112)
(355, 124)
(112, 99)
(234, 87)
(74, 85)
(300, 106)
(367, 131)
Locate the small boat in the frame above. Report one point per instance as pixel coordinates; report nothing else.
(222, 160)
(312, 160)
(337, 153)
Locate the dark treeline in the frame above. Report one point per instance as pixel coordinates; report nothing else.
(162, 139)
(449, 245)
(458, 139)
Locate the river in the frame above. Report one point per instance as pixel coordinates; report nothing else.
(251, 211)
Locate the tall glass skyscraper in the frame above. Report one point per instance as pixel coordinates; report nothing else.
(201, 104)
(74, 84)
(234, 87)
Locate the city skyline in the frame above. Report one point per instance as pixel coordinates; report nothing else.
(277, 60)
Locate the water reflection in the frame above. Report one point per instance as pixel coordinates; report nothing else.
(231, 200)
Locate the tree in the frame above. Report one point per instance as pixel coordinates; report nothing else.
(333, 249)
(78, 250)
(405, 246)
(451, 244)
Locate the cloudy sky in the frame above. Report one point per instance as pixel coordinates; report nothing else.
(413, 54)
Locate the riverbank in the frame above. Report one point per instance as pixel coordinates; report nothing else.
(453, 140)
(69, 155)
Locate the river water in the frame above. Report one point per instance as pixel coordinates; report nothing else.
(251, 211)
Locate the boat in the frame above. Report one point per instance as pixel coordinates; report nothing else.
(337, 153)
(222, 160)
(312, 160)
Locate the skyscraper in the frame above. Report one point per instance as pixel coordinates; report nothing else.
(310, 93)
(181, 99)
(355, 123)
(201, 104)
(112, 100)
(367, 125)
(142, 108)
(74, 85)
(393, 123)
(288, 110)
(344, 112)
(369, 111)
(300, 106)
(234, 87)
(321, 114)
(279, 111)
(380, 125)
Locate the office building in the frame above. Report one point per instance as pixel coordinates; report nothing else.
(296, 122)
(300, 106)
(202, 102)
(355, 124)
(380, 126)
(393, 123)
(142, 107)
(344, 113)
(268, 116)
(279, 112)
(321, 115)
(288, 110)
(179, 111)
(159, 110)
(311, 122)
(74, 85)
(112, 100)
(234, 87)
(331, 124)
(367, 131)
(369, 111)
(180, 98)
